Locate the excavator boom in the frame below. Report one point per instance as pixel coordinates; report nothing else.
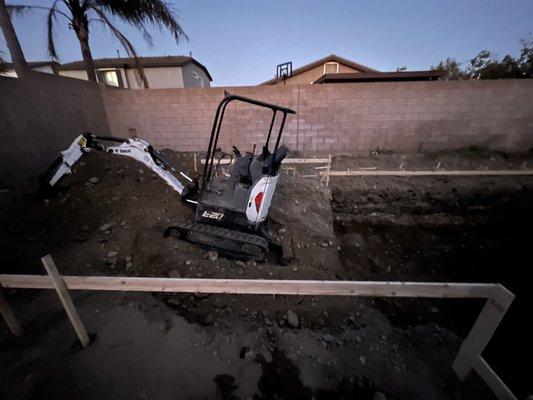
(137, 149)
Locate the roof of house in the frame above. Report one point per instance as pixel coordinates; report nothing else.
(129, 62)
(330, 58)
(37, 64)
(380, 77)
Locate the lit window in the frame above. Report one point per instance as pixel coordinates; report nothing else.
(111, 78)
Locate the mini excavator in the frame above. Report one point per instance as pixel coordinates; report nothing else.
(231, 213)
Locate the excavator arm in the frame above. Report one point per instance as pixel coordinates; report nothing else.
(137, 149)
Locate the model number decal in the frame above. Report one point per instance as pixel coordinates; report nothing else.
(213, 215)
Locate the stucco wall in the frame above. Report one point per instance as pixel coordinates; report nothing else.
(158, 78)
(74, 74)
(40, 115)
(340, 118)
(190, 81)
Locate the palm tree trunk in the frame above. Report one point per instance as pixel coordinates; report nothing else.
(17, 56)
(82, 31)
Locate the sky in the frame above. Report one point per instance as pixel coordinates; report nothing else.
(242, 41)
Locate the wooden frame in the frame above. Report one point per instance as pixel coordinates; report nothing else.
(468, 359)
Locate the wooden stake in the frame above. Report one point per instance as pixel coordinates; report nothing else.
(8, 315)
(328, 169)
(64, 296)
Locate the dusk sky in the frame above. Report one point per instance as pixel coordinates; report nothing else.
(241, 42)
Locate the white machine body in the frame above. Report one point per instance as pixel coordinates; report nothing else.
(260, 198)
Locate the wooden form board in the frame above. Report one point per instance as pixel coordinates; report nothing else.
(468, 359)
(257, 286)
(430, 173)
(285, 161)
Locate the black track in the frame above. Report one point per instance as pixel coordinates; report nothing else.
(228, 242)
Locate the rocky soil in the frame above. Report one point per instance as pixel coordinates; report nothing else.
(108, 219)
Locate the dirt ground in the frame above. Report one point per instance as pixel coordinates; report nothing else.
(263, 347)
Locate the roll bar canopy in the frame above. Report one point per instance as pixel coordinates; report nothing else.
(217, 123)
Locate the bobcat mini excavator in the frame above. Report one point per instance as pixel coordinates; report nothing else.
(230, 215)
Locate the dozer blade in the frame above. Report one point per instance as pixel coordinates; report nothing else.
(227, 242)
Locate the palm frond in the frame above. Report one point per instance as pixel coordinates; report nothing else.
(126, 44)
(139, 12)
(17, 9)
(52, 17)
(146, 35)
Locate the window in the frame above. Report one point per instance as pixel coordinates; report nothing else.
(331, 68)
(198, 78)
(110, 77)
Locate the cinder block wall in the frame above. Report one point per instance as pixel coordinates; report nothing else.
(337, 118)
(40, 115)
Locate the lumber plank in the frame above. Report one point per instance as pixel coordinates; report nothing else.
(285, 161)
(9, 316)
(484, 327)
(493, 381)
(257, 286)
(431, 173)
(64, 296)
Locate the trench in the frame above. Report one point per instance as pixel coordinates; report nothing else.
(475, 235)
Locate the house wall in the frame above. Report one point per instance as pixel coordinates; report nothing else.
(40, 115)
(158, 78)
(190, 81)
(312, 75)
(340, 118)
(80, 74)
(45, 68)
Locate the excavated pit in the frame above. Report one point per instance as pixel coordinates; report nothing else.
(407, 229)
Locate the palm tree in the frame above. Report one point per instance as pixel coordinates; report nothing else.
(3, 65)
(81, 13)
(17, 56)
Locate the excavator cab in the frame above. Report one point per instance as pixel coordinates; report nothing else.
(243, 200)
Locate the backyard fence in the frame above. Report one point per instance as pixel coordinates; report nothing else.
(336, 118)
(41, 114)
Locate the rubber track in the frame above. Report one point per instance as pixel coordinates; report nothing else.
(218, 233)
